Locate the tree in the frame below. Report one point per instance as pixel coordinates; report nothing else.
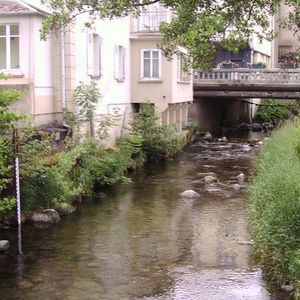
(7, 120)
(202, 26)
(86, 97)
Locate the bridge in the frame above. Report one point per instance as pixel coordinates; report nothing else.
(225, 97)
(247, 83)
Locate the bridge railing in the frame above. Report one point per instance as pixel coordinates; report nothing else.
(248, 75)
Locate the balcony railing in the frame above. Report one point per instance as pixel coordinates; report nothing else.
(150, 21)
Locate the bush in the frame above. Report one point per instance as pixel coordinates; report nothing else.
(7, 120)
(275, 209)
(273, 111)
(158, 141)
(41, 189)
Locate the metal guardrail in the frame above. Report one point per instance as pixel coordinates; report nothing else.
(246, 75)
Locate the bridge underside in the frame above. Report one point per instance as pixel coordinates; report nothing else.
(224, 112)
(246, 94)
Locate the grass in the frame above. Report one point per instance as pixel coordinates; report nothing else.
(274, 209)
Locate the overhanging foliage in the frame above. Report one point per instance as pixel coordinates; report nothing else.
(202, 26)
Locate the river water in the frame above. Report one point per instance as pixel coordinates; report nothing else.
(144, 241)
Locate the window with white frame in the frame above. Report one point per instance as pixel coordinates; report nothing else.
(150, 64)
(183, 74)
(94, 45)
(119, 63)
(9, 47)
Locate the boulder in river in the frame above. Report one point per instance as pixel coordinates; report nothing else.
(287, 288)
(222, 139)
(210, 179)
(207, 136)
(190, 194)
(64, 209)
(240, 178)
(46, 216)
(4, 245)
(246, 147)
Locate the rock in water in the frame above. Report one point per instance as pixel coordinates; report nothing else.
(209, 179)
(222, 139)
(46, 216)
(190, 194)
(207, 137)
(287, 288)
(4, 245)
(240, 178)
(64, 209)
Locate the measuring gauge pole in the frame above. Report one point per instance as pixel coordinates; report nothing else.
(17, 184)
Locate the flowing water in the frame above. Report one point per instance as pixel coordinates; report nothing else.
(144, 241)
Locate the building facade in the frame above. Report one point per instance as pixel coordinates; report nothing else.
(121, 56)
(27, 61)
(286, 45)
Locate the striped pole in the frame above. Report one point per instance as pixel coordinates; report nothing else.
(17, 183)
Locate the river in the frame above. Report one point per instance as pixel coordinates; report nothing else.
(143, 241)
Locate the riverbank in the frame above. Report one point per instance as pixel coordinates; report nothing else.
(275, 209)
(53, 184)
(144, 241)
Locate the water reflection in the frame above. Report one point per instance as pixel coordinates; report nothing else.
(144, 241)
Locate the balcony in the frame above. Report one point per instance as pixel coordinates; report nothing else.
(150, 21)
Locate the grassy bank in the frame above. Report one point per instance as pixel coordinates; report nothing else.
(275, 209)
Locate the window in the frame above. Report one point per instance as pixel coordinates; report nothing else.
(94, 55)
(150, 64)
(9, 47)
(119, 63)
(183, 72)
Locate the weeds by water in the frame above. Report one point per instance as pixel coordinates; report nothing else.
(275, 209)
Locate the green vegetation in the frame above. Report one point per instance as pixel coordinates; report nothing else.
(275, 208)
(7, 119)
(158, 141)
(274, 111)
(48, 179)
(86, 97)
(203, 26)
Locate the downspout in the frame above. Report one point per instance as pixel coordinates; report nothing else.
(63, 77)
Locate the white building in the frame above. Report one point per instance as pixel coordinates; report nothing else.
(26, 60)
(121, 56)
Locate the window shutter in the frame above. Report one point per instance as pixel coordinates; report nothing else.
(123, 63)
(100, 56)
(117, 60)
(90, 54)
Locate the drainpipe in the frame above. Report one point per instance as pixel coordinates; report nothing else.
(63, 77)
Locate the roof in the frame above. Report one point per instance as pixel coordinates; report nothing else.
(19, 7)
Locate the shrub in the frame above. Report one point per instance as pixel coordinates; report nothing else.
(158, 141)
(41, 189)
(272, 111)
(7, 120)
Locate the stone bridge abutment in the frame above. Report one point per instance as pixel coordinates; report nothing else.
(223, 112)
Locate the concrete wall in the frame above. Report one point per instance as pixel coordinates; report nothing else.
(171, 96)
(286, 41)
(115, 94)
(35, 70)
(112, 32)
(213, 114)
(158, 92)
